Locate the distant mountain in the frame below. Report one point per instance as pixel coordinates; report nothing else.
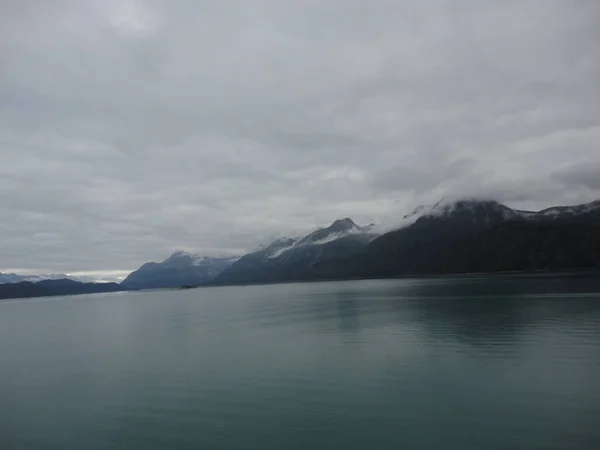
(179, 269)
(45, 288)
(290, 259)
(10, 278)
(477, 236)
(15, 278)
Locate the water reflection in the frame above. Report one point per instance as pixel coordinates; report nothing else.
(348, 312)
(482, 311)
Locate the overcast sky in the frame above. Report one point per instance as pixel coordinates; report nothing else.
(132, 128)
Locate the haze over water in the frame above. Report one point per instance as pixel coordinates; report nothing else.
(506, 362)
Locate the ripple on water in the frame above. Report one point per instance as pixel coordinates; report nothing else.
(475, 362)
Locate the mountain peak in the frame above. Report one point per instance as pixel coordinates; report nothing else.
(447, 206)
(179, 269)
(466, 202)
(179, 253)
(342, 225)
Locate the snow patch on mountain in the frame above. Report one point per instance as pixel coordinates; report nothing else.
(184, 257)
(337, 230)
(276, 244)
(335, 236)
(277, 253)
(574, 210)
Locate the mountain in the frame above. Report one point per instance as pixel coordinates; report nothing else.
(45, 288)
(179, 269)
(477, 236)
(10, 278)
(576, 212)
(15, 278)
(448, 237)
(289, 259)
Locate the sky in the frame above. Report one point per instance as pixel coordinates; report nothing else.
(133, 128)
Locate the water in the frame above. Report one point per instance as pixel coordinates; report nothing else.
(456, 363)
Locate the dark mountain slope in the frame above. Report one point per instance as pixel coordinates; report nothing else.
(292, 259)
(478, 237)
(54, 287)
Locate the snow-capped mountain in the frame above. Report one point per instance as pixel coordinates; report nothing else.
(290, 258)
(479, 236)
(184, 258)
(15, 278)
(12, 278)
(337, 230)
(447, 237)
(179, 269)
(466, 235)
(276, 246)
(490, 211)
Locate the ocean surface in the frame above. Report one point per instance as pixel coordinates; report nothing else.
(504, 362)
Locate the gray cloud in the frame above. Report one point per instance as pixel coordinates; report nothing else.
(132, 128)
(583, 175)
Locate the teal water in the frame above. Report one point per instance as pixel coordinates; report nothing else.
(456, 363)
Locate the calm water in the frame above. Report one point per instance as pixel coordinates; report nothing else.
(457, 363)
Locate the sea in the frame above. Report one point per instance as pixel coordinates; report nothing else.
(474, 362)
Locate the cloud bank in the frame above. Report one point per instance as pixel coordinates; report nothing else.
(132, 128)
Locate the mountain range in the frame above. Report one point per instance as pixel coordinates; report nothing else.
(478, 236)
(448, 237)
(15, 278)
(45, 288)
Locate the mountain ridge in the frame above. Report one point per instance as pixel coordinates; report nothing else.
(16, 278)
(291, 259)
(48, 288)
(431, 239)
(450, 236)
(179, 269)
(479, 236)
